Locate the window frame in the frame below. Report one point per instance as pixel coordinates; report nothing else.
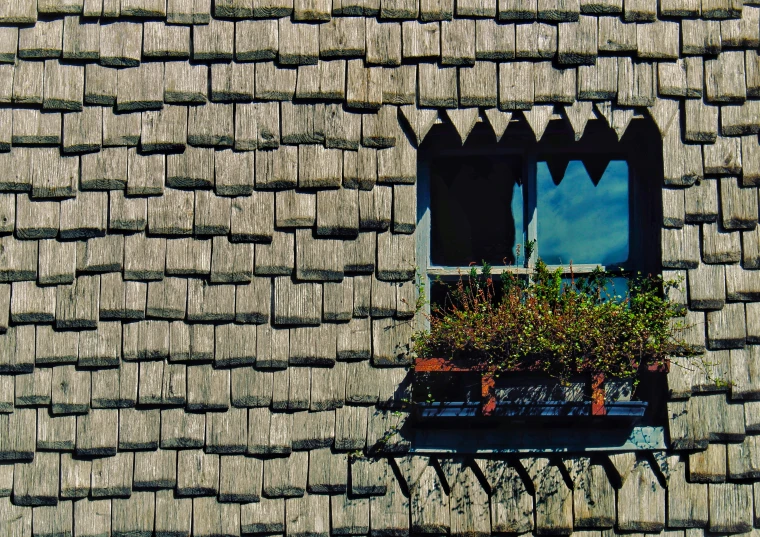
(523, 144)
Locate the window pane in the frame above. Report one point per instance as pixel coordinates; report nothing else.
(476, 210)
(581, 222)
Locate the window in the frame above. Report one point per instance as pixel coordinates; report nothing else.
(588, 203)
(595, 202)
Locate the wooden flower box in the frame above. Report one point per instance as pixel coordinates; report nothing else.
(607, 400)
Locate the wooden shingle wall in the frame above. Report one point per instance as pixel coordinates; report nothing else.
(206, 246)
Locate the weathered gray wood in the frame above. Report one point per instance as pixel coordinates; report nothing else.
(162, 383)
(724, 78)
(34, 128)
(593, 495)
(138, 429)
(19, 444)
(328, 472)
(167, 298)
(338, 300)
(55, 432)
(71, 390)
(701, 202)
(207, 388)
(708, 466)
(277, 257)
(400, 85)
(185, 83)
(719, 245)
(302, 123)
(738, 205)
(32, 304)
(326, 80)
(211, 518)
(211, 125)
(210, 302)
(53, 520)
(43, 40)
(707, 287)
(115, 388)
(181, 430)
(680, 8)
(687, 502)
(437, 86)
(389, 513)
(286, 477)
(723, 157)
(514, 91)
(313, 345)
(741, 284)
(251, 388)
(232, 82)
(146, 340)
(553, 497)
(227, 432)
(273, 83)
(343, 128)
(700, 37)
(470, 513)
(740, 119)
(494, 41)
(100, 85)
(134, 515)
(641, 500)
(164, 130)
(257, 125)
(173, 515)
(730, 507)
(197, 473)
(742, 459)
(97, 433)
(535, 40)
(240, 479)
(682, 163)
(299, 43)
(77, 305)
(354, 338)
(188, 256)
(265, 516)
(112, 476)
(163, 41)
(64, 86)
(55, 347)
(318, 258)
(140, 88)
(364, 86)
(383, 42)
(726, 328)
(33, 389)
(93, 517)
(351, 434)
(673, 207)
(214, 41)
(256, 40)
(277, 169)
(28, 82)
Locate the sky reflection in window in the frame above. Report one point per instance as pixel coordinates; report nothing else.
(582, 223)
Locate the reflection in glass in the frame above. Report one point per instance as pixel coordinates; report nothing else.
(476, 210)
(581, 222)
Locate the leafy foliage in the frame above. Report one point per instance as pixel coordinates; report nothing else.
(557, 326)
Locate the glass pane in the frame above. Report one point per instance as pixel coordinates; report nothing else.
(581, 222)
(476, 210)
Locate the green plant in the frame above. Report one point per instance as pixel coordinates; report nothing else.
(555, 325)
